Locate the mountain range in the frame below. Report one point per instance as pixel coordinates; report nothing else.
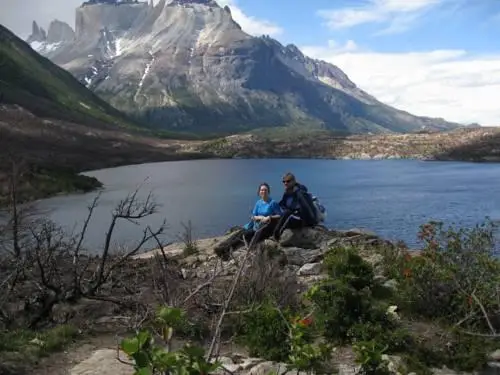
(52, 127)
(186, 65)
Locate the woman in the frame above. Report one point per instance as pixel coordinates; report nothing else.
(265, 216)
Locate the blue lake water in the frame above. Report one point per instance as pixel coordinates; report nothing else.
(390, 197)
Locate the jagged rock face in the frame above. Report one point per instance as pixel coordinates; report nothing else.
(60, 32)
(187, 65)
(38, 34)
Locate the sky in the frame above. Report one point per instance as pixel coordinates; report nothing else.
(437, 58)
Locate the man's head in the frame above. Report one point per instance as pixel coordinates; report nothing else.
(289, 181)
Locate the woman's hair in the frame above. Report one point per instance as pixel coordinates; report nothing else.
(266, 185)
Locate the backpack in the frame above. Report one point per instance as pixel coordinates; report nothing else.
(319, 209)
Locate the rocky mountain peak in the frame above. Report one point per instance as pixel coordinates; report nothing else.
(38, 34)
(188, 64)
(119, 17)
(60, 32)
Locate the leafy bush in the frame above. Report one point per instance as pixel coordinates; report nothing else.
(151, 359)
(284, 337)
(344, 302)
(455, 278)
(370, 355)
(453, 282)
(265, 333)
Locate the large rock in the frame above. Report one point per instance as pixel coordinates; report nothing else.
(176, 250)
(298, 256)
(310, 269)
(305, 238)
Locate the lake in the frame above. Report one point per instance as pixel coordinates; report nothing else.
(390, 197)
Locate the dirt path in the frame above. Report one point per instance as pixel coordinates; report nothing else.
(63, 362)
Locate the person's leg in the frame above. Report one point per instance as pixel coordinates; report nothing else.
(247, 236)
(268, 230)
(234, 241)
(281, 225)
(295, 222)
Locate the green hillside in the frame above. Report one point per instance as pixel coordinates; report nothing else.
(35, 83)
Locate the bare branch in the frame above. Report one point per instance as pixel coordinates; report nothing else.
(485, 314)
(229, 297)
(201, 287)
(130, 208)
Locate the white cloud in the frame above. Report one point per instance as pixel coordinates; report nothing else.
(399, 14)
(452, 84)
(249, 24)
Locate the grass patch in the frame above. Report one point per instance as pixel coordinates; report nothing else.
(23, 348)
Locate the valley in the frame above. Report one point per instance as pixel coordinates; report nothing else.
(136, 83)
(377, 287)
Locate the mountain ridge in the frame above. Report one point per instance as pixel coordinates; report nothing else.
(187, 65)
(52, 128)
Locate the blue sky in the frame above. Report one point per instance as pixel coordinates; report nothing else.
(438, 58)
(427, 24)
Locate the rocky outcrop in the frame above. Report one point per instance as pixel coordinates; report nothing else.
(188, 64)
(60, 32)
(473, 144)
(38, 34)
(306, 263)
(300, 252)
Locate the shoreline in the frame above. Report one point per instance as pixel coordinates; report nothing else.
(82, 177)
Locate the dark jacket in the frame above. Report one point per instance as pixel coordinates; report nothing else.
(299, 202)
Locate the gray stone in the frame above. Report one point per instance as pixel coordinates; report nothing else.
(236, 365)
(298, 256)
(305, 238)
(495, 356)
(391, 284)
(266, 368)
(359, 232)
(345, 369)
(328, 244)
(310, 269)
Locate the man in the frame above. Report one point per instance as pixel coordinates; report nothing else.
(297, 207)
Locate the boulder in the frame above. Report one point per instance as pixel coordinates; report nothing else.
(305, 238)
(495, 356)
(359, 232)
(205, 246)
(310, 269)
(298, 256)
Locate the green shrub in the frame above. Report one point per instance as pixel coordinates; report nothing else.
(37, 344)
(344, 299)
(369, 354)
(453, 282)
(155, 359)
(454, 279)
(264, 332)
